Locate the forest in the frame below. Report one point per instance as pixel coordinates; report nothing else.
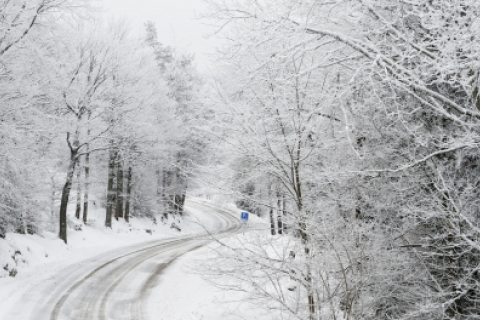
(352, 126)
(355, 129)
(89, 109)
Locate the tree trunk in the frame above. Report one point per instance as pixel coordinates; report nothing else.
(279, 213)
(119, 207)
(78, 207)
(308, 277)
(129, 194)
(66, 194)
(183, 194)
(309, 281)
(159, 191)
(184, 184)
(272, 221)
(175, 203)
(86, 185)
(110, 191)
(182, 203)
(178, 190)
(87, 177)
(284, 211)
(305, 237)
(164, 194)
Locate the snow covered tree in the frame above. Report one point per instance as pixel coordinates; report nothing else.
(27, 127)
(186, 149)
(392, 175)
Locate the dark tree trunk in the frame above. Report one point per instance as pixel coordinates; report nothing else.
(129, 194)
(110, 191)
(179, 203)
(311, 301)
(159, 190)
(272, 220)
(66, 194)
(164, 184)
(175, 203)
(87, 182)
(279, 213)
(87, 178)
(182, 203)
(358, 208)
(164, 194)
(284, 211)
(184, 193)
(78, 207)
(178, 190)
(119, 207)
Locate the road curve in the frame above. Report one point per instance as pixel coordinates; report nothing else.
(115, 285)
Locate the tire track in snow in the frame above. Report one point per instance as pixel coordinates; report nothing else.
(61, 302)
(94, 304)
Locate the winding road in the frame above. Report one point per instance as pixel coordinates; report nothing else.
(116, 284)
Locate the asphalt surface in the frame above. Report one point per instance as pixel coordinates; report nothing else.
(116, 284)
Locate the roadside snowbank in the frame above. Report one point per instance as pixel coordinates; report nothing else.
(184, 294)
(20, 253)
(185, 290)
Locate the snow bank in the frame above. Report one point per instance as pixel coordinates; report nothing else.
(19, 253)
(184, 294)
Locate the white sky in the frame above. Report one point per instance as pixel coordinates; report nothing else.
(176, 23)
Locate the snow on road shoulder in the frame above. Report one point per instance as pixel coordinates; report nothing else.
(182, 293)
(33, 259)
(19, 253)
(185, 290)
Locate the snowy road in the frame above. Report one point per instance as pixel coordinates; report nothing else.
(116, 284)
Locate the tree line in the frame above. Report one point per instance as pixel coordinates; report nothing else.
(90, 113)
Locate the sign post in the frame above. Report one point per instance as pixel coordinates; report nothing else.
(244, 218)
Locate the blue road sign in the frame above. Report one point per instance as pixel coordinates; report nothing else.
(244, 216)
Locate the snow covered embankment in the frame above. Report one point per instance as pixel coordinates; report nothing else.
(25, 254)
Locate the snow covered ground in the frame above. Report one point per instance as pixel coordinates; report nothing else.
(38, 258)
(184, 294)
(24, 253)
(21, 254)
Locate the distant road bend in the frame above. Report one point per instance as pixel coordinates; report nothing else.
(115, 285)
